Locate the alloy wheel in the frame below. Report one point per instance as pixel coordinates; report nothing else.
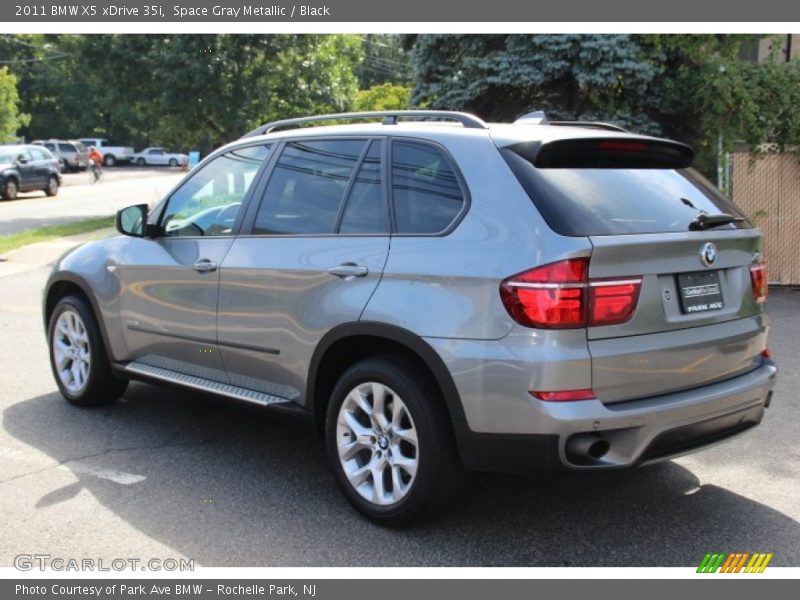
(71, 352)
(377, 443)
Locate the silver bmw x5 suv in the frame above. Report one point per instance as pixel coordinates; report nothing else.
(438, 293)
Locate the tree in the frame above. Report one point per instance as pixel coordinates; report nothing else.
(384, 96)
(690, 87)
(182, 91)
(10, 117)
(386, 60)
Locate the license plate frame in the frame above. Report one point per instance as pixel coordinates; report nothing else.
(700, 292)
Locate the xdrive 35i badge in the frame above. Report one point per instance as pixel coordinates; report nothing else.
(708, 254)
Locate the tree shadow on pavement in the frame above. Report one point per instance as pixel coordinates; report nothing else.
(231, 485)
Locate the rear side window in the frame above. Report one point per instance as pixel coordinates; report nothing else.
(40, 154)
(426, 193)
(617, 201)
(66, 148)
(307, 187)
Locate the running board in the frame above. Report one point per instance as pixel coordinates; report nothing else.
(204, 385)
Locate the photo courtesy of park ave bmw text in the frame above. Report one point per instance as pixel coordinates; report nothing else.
(301, 299)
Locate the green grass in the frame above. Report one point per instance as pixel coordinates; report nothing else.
(31, 236)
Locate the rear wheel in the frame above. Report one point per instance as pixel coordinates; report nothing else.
(389, 441)
(173, 162)
(11, 189)
(52, 186)
(78, 357)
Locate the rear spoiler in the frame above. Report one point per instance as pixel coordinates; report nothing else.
(606, 153)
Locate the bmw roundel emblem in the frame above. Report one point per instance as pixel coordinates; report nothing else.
(708, 254)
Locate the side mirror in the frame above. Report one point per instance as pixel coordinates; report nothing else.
(22, 160)
(132, 221)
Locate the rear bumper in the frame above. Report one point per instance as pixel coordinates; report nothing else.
(635, 432)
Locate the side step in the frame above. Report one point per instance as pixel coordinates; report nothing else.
(205, 385)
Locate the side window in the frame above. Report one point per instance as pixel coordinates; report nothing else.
(66, 148)
(209, 201)
(38, 154)
(426, 192)
(307, 186)
(365, 211)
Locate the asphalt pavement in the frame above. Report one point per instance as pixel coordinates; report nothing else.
(166, 473)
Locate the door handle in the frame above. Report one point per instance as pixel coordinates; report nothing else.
(205, 266)
(348, 271)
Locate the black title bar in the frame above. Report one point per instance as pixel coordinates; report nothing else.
(441, 11)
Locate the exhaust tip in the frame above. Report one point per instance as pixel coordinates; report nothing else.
(599, 449)
(586, 448)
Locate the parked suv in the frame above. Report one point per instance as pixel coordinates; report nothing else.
(438, 294)
(27, 168)
(73, 154)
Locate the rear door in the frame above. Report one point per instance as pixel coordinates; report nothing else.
(698, 318)
(44, 165)
(317, 245)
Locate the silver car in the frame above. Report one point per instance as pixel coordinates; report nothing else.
(73, 154)
(439, 293)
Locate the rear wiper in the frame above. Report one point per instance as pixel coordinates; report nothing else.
(706, 221)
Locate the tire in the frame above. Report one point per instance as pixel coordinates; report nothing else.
(52, 186)
(421, 478)
(109, 160)
(141, 162)
(84, 376)
(173, 162)
(11, 189)
(65, 166)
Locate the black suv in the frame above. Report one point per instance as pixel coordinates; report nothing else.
(26, 168)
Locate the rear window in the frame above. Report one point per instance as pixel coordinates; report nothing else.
(619, 201)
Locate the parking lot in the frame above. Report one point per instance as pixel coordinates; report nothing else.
(168, 473)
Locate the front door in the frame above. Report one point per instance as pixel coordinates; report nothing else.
(170, 284)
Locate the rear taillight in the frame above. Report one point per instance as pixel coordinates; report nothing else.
(758, 277)
(560, 295)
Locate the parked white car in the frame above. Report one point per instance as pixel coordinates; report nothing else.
(158, 156)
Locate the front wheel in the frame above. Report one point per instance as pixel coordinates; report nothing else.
(140, 162)
(389, 441)
(78, 357)
(10, 190)
(52, 186)
(173, 162)
(109, 160)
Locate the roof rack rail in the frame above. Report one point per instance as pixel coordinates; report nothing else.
(590, 125)
(389, 118)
